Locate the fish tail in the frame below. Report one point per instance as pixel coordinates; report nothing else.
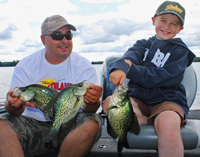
(52, 136)
(55, 139)
(122, 142)
(120, 146)
(47, 137)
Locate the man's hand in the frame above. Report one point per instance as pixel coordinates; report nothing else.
(92, 97)
(93, 94)
(15, 105)
(16, 101)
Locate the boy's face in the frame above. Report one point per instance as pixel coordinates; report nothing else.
(166, 26)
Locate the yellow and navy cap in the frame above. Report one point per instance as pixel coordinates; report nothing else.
(173, 8)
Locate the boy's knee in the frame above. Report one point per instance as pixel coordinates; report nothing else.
(167, 120)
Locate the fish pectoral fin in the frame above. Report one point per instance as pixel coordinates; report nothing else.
(110, 130)
(76, 104)
(79, 103)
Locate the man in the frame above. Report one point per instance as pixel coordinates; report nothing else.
(55, 66)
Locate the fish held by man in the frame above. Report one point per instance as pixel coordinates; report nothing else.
(66, 106)
(37, 94)
(121, 117)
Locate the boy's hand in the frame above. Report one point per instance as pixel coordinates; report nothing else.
(117, 76)
(128, 62)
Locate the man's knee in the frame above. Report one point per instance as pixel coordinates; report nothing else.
(91, 126)
(4, 125)
(6, 130)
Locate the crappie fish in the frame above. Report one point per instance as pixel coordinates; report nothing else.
(38, 95)
(121, 117)
(66, 106)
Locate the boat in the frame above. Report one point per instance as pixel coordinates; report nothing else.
(145, 144)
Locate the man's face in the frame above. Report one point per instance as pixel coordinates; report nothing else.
(57, 50)
(167, 26)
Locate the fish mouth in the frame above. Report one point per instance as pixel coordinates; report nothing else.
(86, 84)
(15, 92)
(123, 88)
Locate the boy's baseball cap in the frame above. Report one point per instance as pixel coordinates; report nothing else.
(173, 8)
(54, 23)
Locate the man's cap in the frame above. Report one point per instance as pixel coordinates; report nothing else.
(54, 23)
(173, 8)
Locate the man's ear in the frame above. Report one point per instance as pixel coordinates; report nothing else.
(43, 39)
(153, 21)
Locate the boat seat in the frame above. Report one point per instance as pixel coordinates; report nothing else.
(147, 138)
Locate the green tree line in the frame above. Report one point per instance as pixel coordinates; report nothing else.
(8, 64)
(13, 63)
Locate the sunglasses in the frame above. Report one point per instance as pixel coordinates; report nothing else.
(60, 36)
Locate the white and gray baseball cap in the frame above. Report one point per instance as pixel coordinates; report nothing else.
(54, 23)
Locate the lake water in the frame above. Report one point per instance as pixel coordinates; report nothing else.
(6, 75)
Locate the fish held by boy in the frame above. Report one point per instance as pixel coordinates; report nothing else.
(66, 106)
(121, 117)
(37, 94)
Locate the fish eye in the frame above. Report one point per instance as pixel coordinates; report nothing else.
(80, 85)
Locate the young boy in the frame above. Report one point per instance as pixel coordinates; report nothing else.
(155, 68)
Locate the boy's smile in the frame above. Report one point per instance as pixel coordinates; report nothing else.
(167, 26)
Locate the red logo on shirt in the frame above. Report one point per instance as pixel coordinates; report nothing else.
(59, 85)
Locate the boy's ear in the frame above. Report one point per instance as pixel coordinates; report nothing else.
(181, 28)
(153, 21)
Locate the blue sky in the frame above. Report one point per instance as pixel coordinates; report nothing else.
(105, 27)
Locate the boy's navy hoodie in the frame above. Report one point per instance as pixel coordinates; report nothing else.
(157, 70)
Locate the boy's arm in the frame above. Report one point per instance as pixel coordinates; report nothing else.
(169, 75)
(134, 54)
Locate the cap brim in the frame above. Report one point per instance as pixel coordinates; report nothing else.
(171, 12)
(60, 25)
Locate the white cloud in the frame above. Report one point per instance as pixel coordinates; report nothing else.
(101, 1)
(113, 29)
